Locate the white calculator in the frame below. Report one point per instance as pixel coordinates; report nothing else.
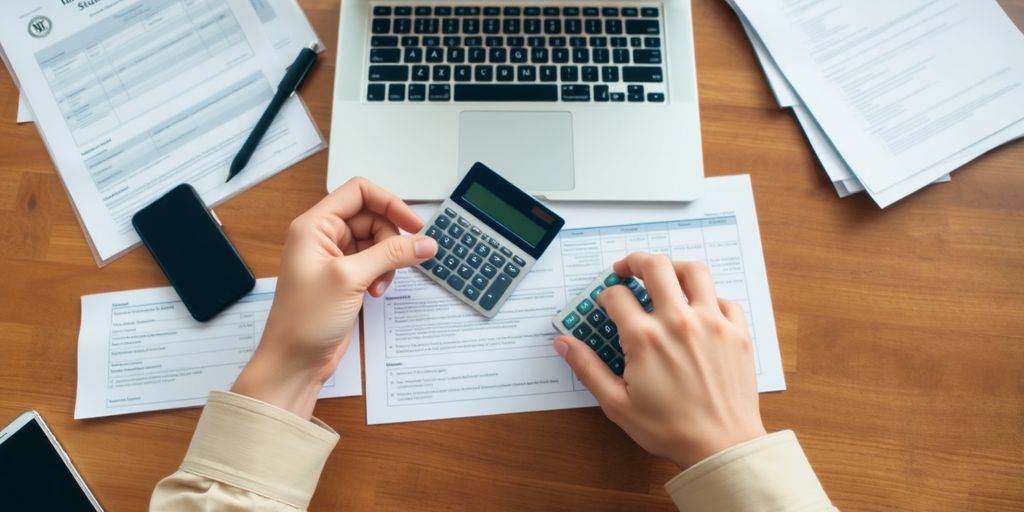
(489, 234)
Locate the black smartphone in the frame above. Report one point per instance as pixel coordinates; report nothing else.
(196, 256)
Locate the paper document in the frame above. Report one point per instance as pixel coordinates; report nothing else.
(429, 356)
(140, 350)
(284, 24)
(899, 88)
(135, 97)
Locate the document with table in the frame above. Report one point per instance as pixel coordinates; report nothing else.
(140, 350)
(135, 97)
(429, 356)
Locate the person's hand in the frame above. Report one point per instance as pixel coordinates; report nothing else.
(689, 388)
(348, 244)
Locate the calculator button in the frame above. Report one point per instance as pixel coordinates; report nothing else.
(482, 250)
(465, 272)
(469, 240)
(451, 262)
(463, 222)
(479, 282)
(645, 299)
(506, 252)
(456, 231)
(608, 329)
(460, 251)
(449, 212)
(582, 332)
(429, 264)
(471, 293)
(476, 231)
(612, 280)
(616, 344)
(585, 306)
(519, 261)
(446, 241)
(632, 283)
(488, 271)
(474, 260)
(596, 291)
(440, 255)
(433, 232)
(441, 272)
(618, 366)
(496, 260)
(512, 270)
(594, 342)
(606, 353)
(443, 222)
(571, 320)
(456, 283)
(493, 243)
(494, 293)
(597, 317)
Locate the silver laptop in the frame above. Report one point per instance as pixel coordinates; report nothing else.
(569, 100)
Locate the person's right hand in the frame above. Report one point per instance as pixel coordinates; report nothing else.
(689, 389)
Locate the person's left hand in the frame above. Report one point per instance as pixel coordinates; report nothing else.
(348, 244)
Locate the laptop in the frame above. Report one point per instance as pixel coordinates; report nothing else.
(569, 100)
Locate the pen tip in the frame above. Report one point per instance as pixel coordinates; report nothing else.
(314, 46)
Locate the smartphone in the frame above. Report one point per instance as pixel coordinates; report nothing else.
(187, 242)
(36, 473)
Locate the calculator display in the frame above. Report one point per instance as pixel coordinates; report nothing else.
(499, 210)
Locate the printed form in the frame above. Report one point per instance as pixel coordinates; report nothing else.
(429, 356)
(140, 350)
(135, 97)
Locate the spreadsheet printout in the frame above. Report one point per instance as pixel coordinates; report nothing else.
(140, 350)
(135, 97)
(429, 356)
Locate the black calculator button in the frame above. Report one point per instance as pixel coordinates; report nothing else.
(465, 272)
(456, 231)
(506, 252)
(474, 260)
(469, 240)
(476, 231)
(433, 232)
(618, 366)
(606, 353)
(443, 222)
(449, 212)
(456, 283)
(488, 271)
(519, 261)
(460, 251)
(582, 332)
(597, 317)
(645, 300)
(496, 260)
(594, 343)
(463, 222)
(585, 307)
(471, 293)
(480, 282)
(616, 344)
(482, 250)
(512, 270)
(493, 243)
(608, 329)
(489, 300)
(429, 264)
(494, 293)
(440, 254)
(446, 241)
(451, 262)
(441, 272)
(632, 283)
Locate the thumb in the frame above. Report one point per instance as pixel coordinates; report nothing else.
(388, 255)
(608, 389)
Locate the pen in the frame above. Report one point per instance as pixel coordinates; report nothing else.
(289, 84)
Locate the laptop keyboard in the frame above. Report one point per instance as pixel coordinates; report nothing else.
(466, 53)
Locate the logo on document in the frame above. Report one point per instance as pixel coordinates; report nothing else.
(39, 26)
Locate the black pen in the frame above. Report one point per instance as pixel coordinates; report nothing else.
(289, 84)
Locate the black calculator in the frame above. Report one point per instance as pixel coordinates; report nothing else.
(584, 320)
(489, 234)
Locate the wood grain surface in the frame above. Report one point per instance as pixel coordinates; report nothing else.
(901, 330)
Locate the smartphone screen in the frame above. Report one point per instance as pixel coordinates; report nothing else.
(193, 252)
(33, 476)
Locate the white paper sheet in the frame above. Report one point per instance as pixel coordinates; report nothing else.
(285, 26)
(135, 97)
(901, 89)
(428, 356)
(139, 350)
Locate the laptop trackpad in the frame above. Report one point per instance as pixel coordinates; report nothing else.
(533, 150)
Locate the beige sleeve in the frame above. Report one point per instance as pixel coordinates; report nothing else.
(247, 455)
(769, 474)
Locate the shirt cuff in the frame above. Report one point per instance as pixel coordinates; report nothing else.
(770, 473)
(263, 449)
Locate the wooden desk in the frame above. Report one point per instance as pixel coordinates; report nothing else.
(901, 330)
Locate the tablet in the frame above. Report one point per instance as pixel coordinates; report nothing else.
(35, 473)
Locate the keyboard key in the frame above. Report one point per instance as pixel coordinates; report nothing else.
(456, 55)
(492, 11)
(582, 332)
(632, 283)
(433, 232)
(647, 56)
(429, 264)
(385, 55)
(413, 55)
(452, 41)
(506, 251)
(571, 321)
(423, 10)
(548, 74)
(613, 27)
(488, 271)
(450, 26)
(620, 56)
(515, 41)
(517, 55)
(610, 74)
(465, 271)
(610, 11)
(434, 55)
(618, 97)
(474, 41)
(575, 92)
(421, 73)
(404, 10)
(578, 42)
(570, 74)
(375, 92)
(505, 92)
(476, 231)
(652, 42)
(492, 26)
(389, 74)
(474, 260)
(573, 26)
(590, 11)
(649, 12)
(616, 344)
(552, 26)
(483, 73)
(383, 41)
(636, 42)
(601, 55)
(382, 10)
(494, 42)
(527, 73)
(469, 240)
(456, 283)
(551, 11)
(494, 293)
(619, 42)
(506, 74)
(440, 92)
(410, 40)
(601, 93)
(477, 55)
(635, 93)
(560, 55)
(463, 73)
(396, 92)
(531, 11)
(442, 73)
(511, 26)
(629, 12)
(425, 26)
(590, 73)
(402, 26)
(467, 11)
(492, 242)
(470, 26)
(511, 11)
(592, 26)
(656, 97)
(642, 74)
(443, 11)
(380, 25)
(539, 55)
(580, 55)
(536, 42)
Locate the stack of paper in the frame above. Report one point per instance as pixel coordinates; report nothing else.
(893, 96)
(135, 97)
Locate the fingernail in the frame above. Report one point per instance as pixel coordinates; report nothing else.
(425, 247)
(380, 288)
(561, 347)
